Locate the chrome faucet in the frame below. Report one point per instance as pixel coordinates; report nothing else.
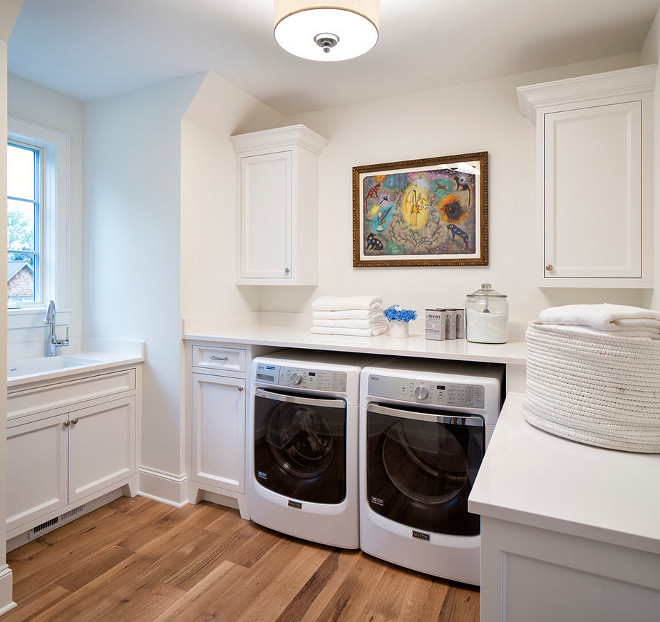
(53, 342)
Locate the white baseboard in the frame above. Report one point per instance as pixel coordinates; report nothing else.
(164, 487)
(6, 602)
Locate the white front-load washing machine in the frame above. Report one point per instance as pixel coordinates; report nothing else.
(424, 427)
(303, 444)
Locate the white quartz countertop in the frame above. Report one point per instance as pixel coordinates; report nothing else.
(537, 479)
(289, 330)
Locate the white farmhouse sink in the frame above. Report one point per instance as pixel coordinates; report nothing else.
(45, 365)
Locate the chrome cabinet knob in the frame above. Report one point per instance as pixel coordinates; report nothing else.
(74, 421)
(65, 424)
(240, 388)
(287, 270)
(549, 267)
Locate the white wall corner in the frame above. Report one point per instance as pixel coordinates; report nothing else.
(163, 487)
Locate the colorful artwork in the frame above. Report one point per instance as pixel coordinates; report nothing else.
(421, 212)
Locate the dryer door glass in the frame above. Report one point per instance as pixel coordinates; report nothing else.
(421, 467)
(300, 445)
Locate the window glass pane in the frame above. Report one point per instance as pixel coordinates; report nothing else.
(20, 172)
(20, 277)
(20, 226)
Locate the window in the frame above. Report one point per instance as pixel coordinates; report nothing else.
(37, 222)
(23, 223)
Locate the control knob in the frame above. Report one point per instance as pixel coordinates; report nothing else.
(295, 378)
(421, 393)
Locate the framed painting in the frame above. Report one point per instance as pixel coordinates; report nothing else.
(430, 212)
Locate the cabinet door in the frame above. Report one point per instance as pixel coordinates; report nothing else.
(266, 201)
(101, 447)
(36, 469)
(593, 192)
(218, 433)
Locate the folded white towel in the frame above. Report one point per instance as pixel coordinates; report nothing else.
(350, 314)
(355, 332)
(600, 316)
(342, 303)
(651, 333)
(350, 323)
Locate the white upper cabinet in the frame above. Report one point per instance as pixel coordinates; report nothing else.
(594, 178)
(278, 212)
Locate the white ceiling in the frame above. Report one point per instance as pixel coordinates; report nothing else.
(95, 48)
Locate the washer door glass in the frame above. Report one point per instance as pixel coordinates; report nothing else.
(299, 445)
(300, 440)
(420, 467)
(425, 462)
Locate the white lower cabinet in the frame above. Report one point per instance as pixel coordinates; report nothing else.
(217, 425)
(59, 458)
(101, 447)
(219, 432)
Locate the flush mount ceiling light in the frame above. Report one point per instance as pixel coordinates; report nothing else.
(331, 31)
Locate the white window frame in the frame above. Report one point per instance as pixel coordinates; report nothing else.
(55, 264)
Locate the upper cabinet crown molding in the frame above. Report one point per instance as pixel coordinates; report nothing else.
(279, 137)
(585, 88)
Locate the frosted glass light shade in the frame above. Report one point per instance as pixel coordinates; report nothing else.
(350, 27)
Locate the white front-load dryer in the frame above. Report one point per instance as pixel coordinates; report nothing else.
(424, 427)
(303, 445)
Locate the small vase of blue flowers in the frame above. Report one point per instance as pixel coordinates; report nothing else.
(398, 319)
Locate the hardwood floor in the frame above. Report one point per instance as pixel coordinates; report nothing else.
(136, 560)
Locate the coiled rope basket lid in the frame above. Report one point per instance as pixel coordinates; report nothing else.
(596, 389)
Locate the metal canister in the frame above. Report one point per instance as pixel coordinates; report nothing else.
(435, 324)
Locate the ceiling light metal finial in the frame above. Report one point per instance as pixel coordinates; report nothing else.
(331, 31)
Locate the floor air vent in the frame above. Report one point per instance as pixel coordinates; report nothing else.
(53, 523)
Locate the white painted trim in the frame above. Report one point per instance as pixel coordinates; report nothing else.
(279, 137)
(6, 602)
(585, 88)
(162, 486)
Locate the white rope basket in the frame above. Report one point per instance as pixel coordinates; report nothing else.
(596, 389)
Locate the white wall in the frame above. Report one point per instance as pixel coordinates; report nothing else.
(650, 55)
(36, 104)
(131, 255)
(208, 196)
(479, 116)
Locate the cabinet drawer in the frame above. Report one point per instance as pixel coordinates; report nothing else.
(24, 403)
(211, 357)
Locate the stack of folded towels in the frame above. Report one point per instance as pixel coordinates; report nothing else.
(348, 315)
(593, 375)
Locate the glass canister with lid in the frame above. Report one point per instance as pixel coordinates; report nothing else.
(486, 316)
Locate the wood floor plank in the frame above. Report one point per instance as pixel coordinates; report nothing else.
(189, 606)
(424, 598)
(276, 595)
(347, 560)
(231, 605)
(136, 560)
(462, 603)
(38, 602)
(354, 591)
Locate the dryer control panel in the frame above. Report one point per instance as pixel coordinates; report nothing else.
(434, 392)
(301, 377)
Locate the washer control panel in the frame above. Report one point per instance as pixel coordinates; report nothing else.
(302, 377)
(433, 392)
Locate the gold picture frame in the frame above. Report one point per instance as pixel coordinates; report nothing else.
(428, 212)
